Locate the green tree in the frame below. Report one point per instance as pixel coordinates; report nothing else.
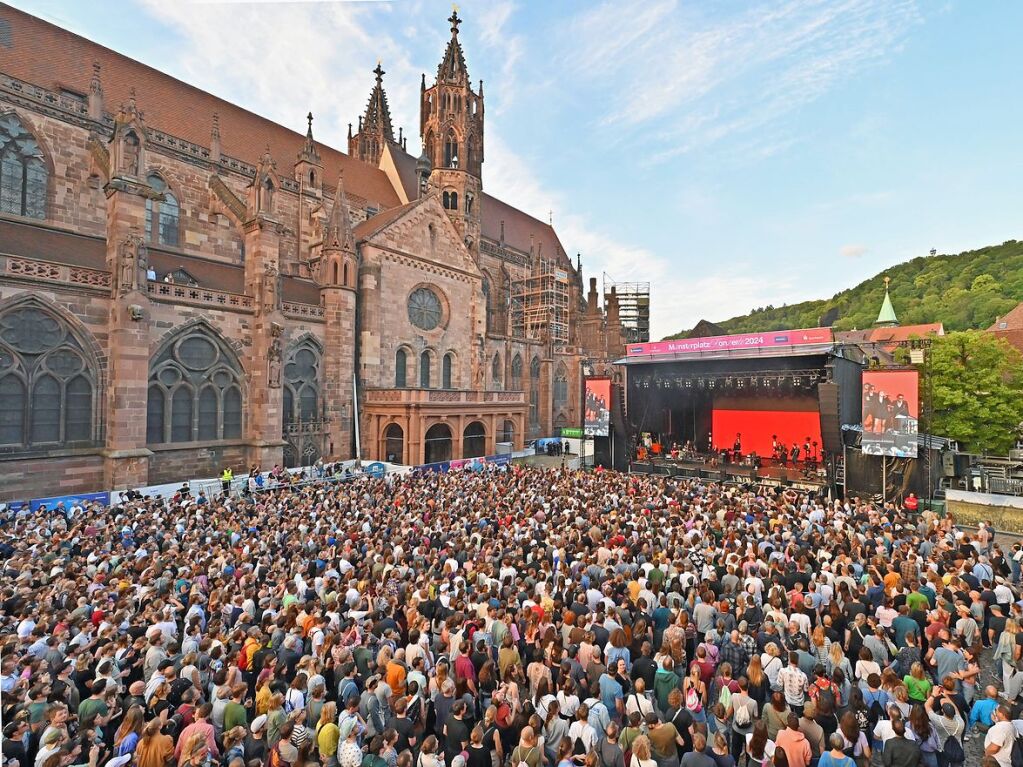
(976, 380)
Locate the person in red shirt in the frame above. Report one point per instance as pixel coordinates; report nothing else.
(911, 503)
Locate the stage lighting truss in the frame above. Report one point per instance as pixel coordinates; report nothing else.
(779, 382)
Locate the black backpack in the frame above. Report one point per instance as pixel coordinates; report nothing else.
(952, 755)
(1017, 751)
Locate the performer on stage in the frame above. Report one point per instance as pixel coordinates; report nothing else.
(710, 443)
(807, 455)
(777, 451)
(737, 448)
(794, 455)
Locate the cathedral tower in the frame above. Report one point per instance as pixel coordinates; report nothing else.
(375, 128)
(451, 126)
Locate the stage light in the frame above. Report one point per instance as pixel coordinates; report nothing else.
(711, 383)
(689, 383)
(701, 382)
(728, 381)
(740, 383)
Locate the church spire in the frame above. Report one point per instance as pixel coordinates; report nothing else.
(886, 317)
(375, 127)
(309, 153)
(337, 235)
(452, 67)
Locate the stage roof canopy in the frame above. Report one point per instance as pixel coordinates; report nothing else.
(733, 354)
(777, 343)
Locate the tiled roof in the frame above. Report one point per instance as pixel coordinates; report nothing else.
(366, 229)
(1013, 336)
(518, 226)
(1013, 320)
(50, 57)
(892, 335)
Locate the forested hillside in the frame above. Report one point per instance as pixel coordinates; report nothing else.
(963, 291)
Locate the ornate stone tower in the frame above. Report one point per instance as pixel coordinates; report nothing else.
(375, 128)
(451, 125)
(338, 277)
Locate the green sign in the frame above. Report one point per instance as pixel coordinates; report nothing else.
(572, 433)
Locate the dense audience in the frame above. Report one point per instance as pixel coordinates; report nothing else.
(506, 618)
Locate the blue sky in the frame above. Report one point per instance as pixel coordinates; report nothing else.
(735, 154)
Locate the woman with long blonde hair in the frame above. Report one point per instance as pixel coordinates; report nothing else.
(1008, 652)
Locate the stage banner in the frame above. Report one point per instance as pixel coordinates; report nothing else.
(598, 407)
(890, 412)
(733, 343)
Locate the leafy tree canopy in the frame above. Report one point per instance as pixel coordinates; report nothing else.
(976, 380)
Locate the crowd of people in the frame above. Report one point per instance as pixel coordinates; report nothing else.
(513, 617)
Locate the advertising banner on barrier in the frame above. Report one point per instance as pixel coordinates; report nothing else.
(735, 342)
(69, 500)
(467, 464)
(891, 411)
(598, 407)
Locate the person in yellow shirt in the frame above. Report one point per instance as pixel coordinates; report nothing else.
(328, 734)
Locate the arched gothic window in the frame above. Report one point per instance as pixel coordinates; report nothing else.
(195, 390)
(451, 151)
(446, 365)
(516, 372)
(488, 307)
(400, 369)
(302, 383)
(450, 200)
(495, 371)
(23, 172)
(48, 383)
(560, 385)
(162, 217)
(424, 370)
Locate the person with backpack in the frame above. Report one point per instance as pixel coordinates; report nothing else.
(744, 712)
(949, 726)
(528, 752)
(609, 752)
(580, 733)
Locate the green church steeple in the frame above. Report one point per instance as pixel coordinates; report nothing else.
(886, 317)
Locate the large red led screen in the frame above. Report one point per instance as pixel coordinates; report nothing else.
(758, 427)
(598, 407)
(890, 412)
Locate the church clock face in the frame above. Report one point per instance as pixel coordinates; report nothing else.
(424, 309)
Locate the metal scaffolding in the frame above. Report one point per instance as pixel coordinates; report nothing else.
(633, 308)
(539, 303)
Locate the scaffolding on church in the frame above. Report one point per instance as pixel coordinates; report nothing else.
(633, 308)
(539, 302)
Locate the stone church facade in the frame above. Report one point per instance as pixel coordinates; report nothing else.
(185, 285)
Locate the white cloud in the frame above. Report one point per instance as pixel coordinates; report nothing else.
(295, 57)
(852, 251)
(681, 82)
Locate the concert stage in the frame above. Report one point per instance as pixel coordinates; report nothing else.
(714, 471)
(789, 390)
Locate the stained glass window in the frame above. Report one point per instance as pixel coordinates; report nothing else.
(424, 309)
(23, 172)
